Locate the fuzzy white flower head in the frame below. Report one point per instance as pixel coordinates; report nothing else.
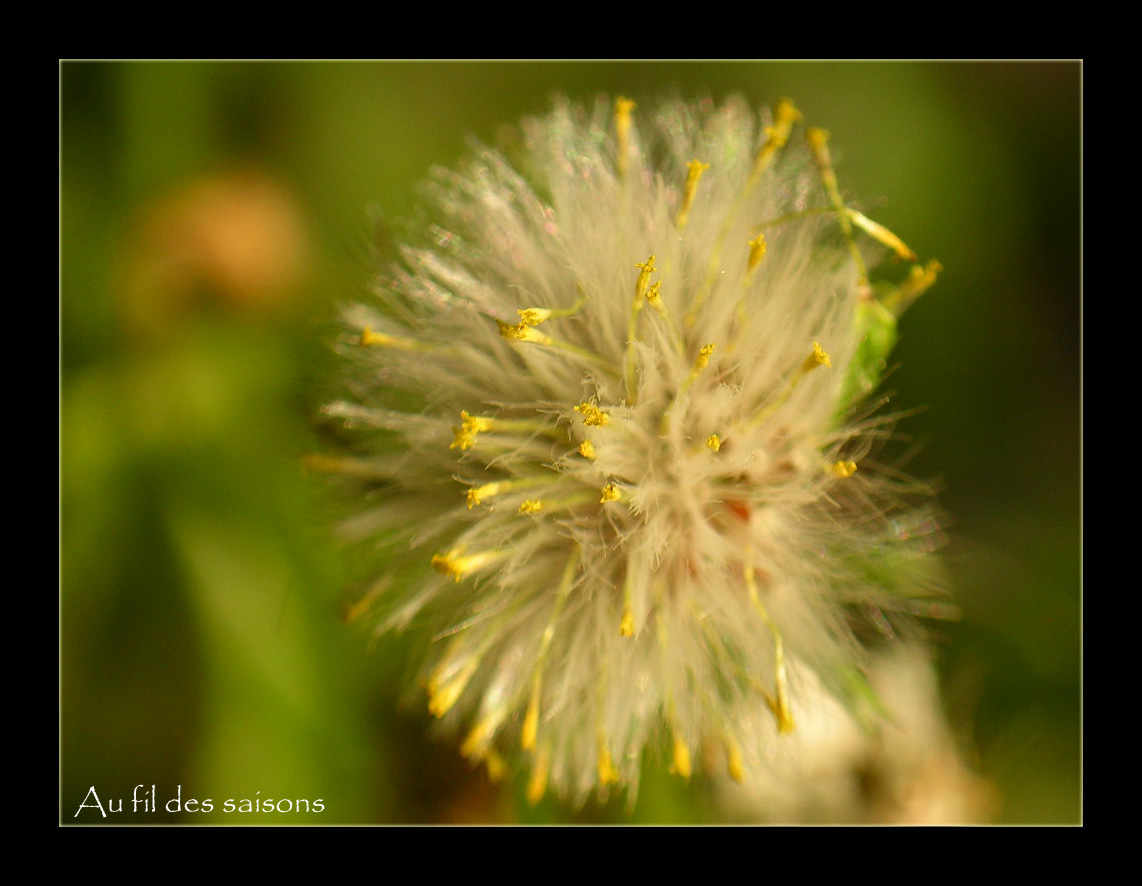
(607, 427)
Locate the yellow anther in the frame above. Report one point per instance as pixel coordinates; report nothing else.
(780, 708)
(703, 358)
(537, 784)
(456, 565)
(779, 702)
(881, 234)
(369, 338)
(681, 765)
(784, 116)
(470, 425)
(818, 138)
(623, 107)
(757, 247)
(531, 506)
(694, 170)
(443, 695)
(534, 316)
(654, 296)
(587, 450)
(920, 278)
(734, 766)
(607, 773)
(646, 268)
(477, 494)
(476, 743)
(530, 720)
(496, 766)
(592, 415)
(626, 626)
(815, 359)
(522, 332)
(714, 442)
(610, 493)
(843, 469)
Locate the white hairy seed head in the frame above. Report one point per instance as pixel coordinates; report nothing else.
(603, 424)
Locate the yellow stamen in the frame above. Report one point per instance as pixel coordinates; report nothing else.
(757, 247)
(369, 338)
(531, 718)
(458, 566)
(623, 107)
(815, 359)
(537, 784)
(476, 744)
(681, 765)
(779, 704)
(496, 766)
(734, 760)
(653, 295)
(626, 626)
(714, 442)
(843, 469)
(694, 170)
(919, 280)
(531, 506)
(523, 332)
(533, 316)
(592, 415)
(470, 425)
(881, 234)
(610, 493)
(443, 695)
(607, 772)
(703, 358)
(587, 450)
(645, 269)
(819, 143)
(785, 115)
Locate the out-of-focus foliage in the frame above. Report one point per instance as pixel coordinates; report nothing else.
(211, 217)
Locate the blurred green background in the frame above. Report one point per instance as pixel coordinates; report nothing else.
(202, 640)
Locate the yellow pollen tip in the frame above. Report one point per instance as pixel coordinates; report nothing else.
(464, 437)
(653, 294)
(533, 316)
(610, 493)
(681, 765)
(475, 745)
(537, 784)
(734, 766)
(522, 332)
(714, 442)
(703, 358)
(496, 766)
(592, 415)
(458, 566)
(442, 696)
(607, 773)
(530, 724)
(815, 359)
(843, 469)
(645, 269)
(369, 338)
(817, 138)
(694, 170)
(531, 506)
(757, 247)
(626, 626)
(587, 450)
